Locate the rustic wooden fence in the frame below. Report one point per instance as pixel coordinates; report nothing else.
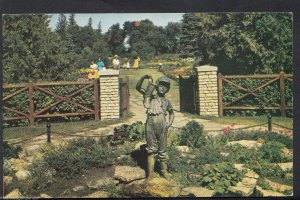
(34, 114)
(273, 78)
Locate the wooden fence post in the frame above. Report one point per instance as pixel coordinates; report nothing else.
(96, 99)
(128, 94)
(31, 104)
(282, 95)
(220, 94)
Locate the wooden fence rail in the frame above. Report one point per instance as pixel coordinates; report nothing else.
(34, 114)
(276, 77)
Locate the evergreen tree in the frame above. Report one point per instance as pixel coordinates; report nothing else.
(74, 33)
(61, 26)
(31, 52)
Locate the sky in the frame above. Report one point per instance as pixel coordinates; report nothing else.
(108, 19)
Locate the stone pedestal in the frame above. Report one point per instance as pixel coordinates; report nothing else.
(109, 94)
(207, 81)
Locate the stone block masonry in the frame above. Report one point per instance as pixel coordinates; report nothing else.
(109, 94)
(207, 81)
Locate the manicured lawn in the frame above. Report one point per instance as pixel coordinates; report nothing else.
(27, 132)
(246, 120)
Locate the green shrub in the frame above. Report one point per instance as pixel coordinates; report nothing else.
(255, 135)
(265, 169)
(274, 152)
(263, 184)
(220, 176)
(241, 154)
(79, 155)
(208, 155)
(41, 177)
(192, 135)
(7, 168)
(178, 166)
(11, 151)
(135, 131)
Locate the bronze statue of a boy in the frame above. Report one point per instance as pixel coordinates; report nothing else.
(156, 124)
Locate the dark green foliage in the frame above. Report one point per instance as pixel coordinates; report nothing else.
(239, 42)
(220, 176)
(273, 151)
(192, 134)
(178, 166)
(241, 154)
(41, 177)
(208, 155)
(255, 135)
(80, 155)
(133, 132)
(11, 151)
(265, 169)
(31, 51)
(263, 184)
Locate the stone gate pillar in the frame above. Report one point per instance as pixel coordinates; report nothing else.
(207, 86)
(109, 94)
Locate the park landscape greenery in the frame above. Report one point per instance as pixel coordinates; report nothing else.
(238, 43)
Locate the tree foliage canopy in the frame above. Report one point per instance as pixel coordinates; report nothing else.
(31, 51)
(239, 42)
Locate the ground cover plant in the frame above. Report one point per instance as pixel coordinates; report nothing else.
(203, 165)
(256, 135)
(71, 160)
(219, 176)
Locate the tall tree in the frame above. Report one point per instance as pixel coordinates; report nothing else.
(115, 39)
(173, 34)
(240, 42)
(74, 32)
(31, 51)
(61, 26)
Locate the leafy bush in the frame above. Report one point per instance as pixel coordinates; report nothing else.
(79, 155)
(263, 184)
(241, 154)
(208, 155)
(11, 151)
(178, 166)
(135, 131)
(7, 168)
(265, 169)
(220, 176)
(192, 135)
(274, 152)
(41, 176)
(255, 135)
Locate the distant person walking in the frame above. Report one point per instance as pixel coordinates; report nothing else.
(136, 61)
(100, 64)
(116, 62)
